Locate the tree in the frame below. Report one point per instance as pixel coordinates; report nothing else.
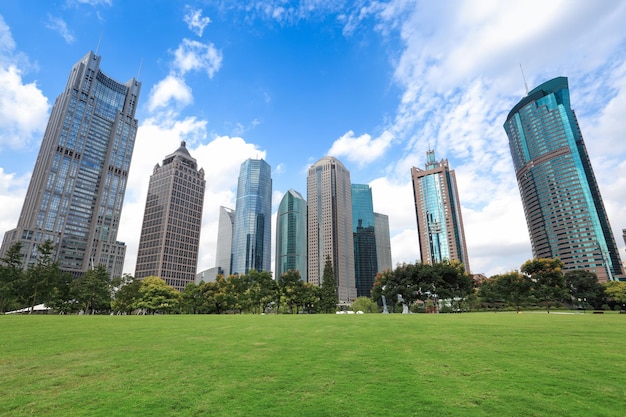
(11, 276)
(615, 291)
(262, 290)
(365, 304)
(157, 296)
(192, 299)
(43, 277)
(328, 293)
(92, 290)
(289, 285)
(584, 288)
(547, 280)
(515, 288)
(127, 295)
(490, 293)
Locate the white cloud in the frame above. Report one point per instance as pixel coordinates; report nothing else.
(360, 150)
(58, 25)
(12, 193)
(195, 21)
(196, 56)
(172, 90)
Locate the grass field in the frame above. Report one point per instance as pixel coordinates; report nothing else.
(477, 364)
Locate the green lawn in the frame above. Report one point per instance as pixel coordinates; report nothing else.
(477, 364)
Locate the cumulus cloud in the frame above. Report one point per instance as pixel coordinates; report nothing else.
(58, 25)
(197, 56)
(360, 150)
(172, 90)
(12, 192)
(195, 21)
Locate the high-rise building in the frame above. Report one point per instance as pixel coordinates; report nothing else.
(363, 229)
(562, 203)
(223, 252)
(383, 242)
(252, 232)
(291, 244)
(329, 225)
(170, 234)
(438, 210)
(76, 192)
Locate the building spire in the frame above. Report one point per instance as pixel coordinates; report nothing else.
(524, 77)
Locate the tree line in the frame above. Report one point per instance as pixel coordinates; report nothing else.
(436, 287)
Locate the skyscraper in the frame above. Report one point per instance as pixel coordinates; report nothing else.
(562, 203)
(75, 195)
(438, 210)
(223, 253)
(291, 248)
(383, 242)
(252, 232)
(170, 234)
(363, 229)
(329, 225)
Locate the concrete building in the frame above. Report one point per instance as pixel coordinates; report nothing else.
(223, 252)
(438, 211)
(252, 231)
(76, 192)
(562, 203)
(383, 242)
(170, 233)
(291, 242)
(329, 225)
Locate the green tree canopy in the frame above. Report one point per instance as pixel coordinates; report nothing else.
(157, 296)
(547, 280)
(328, 293)
(92, 290)
(11, 277)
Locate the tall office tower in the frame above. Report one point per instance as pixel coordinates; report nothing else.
(170, 234)
(562, 203)
(329, 225)
(75, 195)
(363, 229)
(291, 249)
(223, 253)
(383, 242)
(438, 210)
(252, 233)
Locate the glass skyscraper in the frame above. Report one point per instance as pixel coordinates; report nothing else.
(329, 225)
(562, 203)
(438, 211)
(363, 229)
(170, 234)
(291, 244)
(76, 192)
(252, 231)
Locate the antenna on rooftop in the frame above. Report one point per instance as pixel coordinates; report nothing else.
(99, 41)
(524, 77)
(139, 72)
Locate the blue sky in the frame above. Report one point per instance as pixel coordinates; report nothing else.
(373, 83)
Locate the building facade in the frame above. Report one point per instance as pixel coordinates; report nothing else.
(76, 192)
(562, 203)
(364, 234)
(252, 231)
(223, 252)
(329, 225)
(291, 242)
(438, 211)
(170, 233)
(383, 242)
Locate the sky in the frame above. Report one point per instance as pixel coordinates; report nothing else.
(373, 83)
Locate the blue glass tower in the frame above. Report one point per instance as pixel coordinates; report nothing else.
(252, 234)
(76, 192)
(291, 245)
(363, 229)
(438, 211)
(562, 203)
